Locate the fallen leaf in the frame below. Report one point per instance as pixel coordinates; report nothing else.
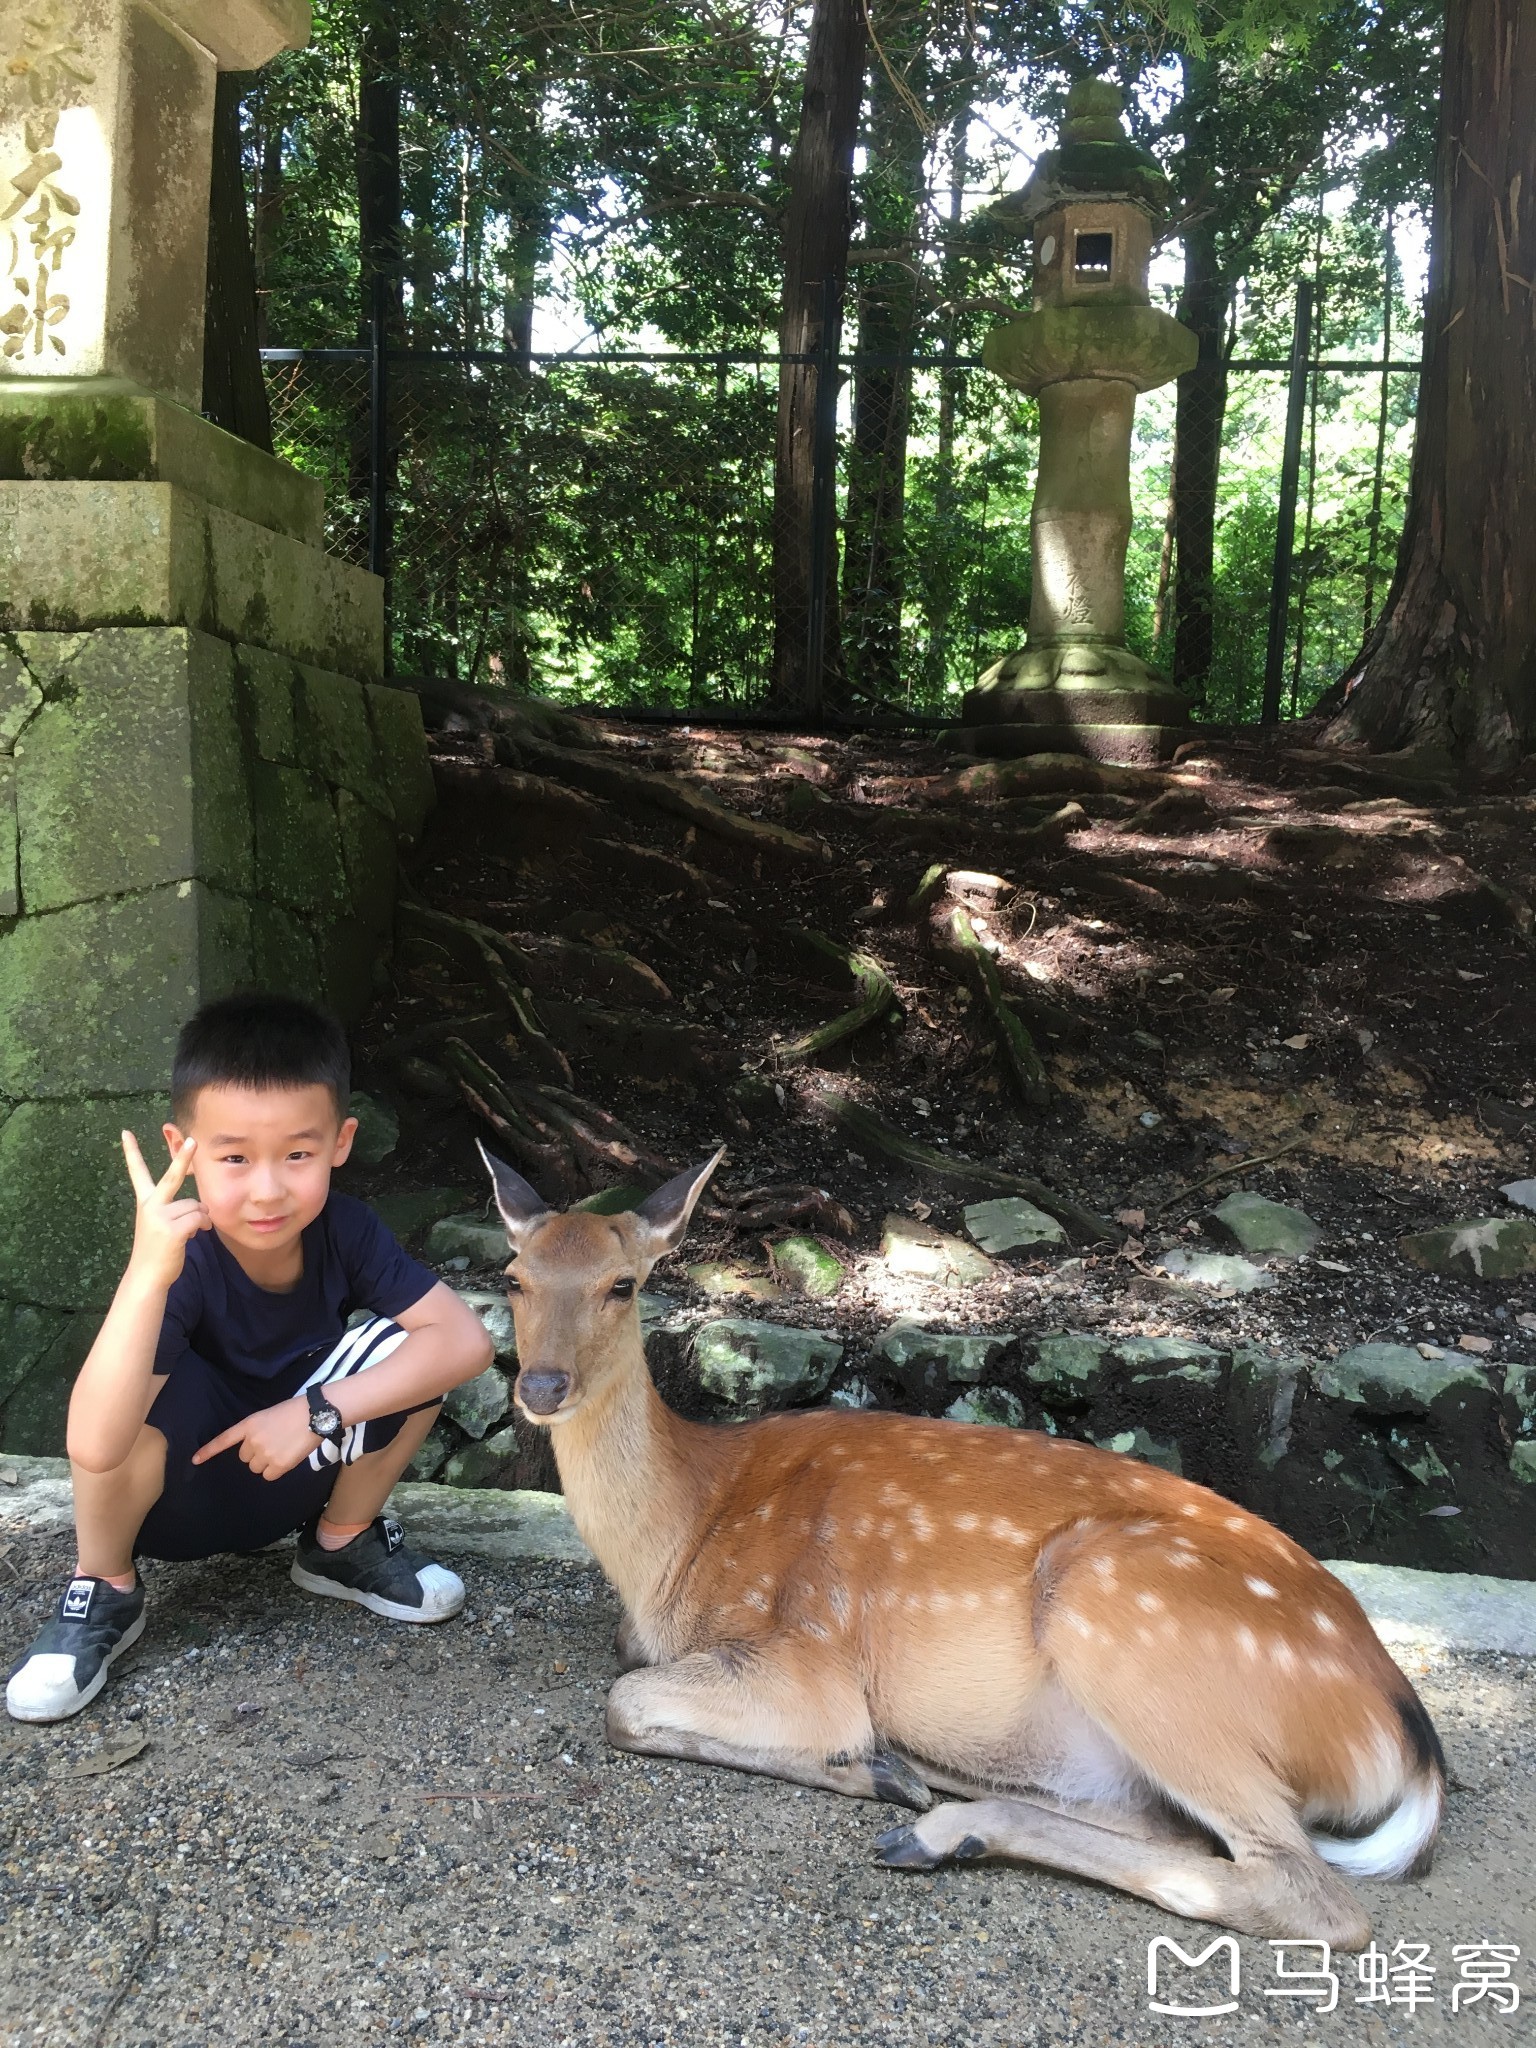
(1299, 1043)
(1223, 995)
(561, 1669)
(123, 1751)
(1477, 1344)
(1430, 1351)
(9, 1476)
(1440, 1512)
(1465, 974)
(1133, 1219)
(1526, 1322)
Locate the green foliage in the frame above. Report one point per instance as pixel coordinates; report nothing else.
(606, 530)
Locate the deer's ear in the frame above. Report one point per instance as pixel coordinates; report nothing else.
(663, 1216)
(521, 1205)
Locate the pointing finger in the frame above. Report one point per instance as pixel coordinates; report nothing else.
(220, 1443)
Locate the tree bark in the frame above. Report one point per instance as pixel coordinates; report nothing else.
(1451, 667)
(874, 571)
(817, 225)
(234, 390)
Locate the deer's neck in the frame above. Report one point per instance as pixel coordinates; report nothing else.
(636, 1478)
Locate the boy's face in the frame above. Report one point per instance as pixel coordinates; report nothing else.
(264, 1159)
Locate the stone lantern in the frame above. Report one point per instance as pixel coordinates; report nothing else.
(1090, 344)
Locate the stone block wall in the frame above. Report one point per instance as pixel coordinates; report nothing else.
(180, 815)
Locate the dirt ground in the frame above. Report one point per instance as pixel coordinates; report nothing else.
(337, 1834)
(1261, 968)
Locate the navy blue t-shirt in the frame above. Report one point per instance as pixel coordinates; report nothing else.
(351, 1261)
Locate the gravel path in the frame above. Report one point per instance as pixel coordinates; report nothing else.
(338, 1832)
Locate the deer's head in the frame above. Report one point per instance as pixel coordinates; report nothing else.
(574, 1282)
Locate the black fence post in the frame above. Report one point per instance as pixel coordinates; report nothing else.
(823, 492)
(378, 439)
(1285, 522)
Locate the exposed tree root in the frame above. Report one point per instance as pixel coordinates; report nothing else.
(1025, 1068)
(878, 999)
(496, 960)
(874, 1131)
(616, 779)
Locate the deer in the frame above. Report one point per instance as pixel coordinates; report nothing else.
(1110, 1671)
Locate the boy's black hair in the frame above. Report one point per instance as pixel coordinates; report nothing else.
(259, 1041)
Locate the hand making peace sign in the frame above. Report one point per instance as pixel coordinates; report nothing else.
(165, 1225)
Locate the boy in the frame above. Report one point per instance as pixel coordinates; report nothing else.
(226, 1403)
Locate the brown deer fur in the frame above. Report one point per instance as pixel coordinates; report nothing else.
(1136, 1680)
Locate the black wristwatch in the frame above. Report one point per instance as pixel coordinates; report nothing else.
(324, 1420)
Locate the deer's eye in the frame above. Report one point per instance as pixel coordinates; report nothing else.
(514, 1286)
(622, 1290)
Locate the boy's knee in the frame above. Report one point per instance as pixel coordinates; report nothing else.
(146, 1455)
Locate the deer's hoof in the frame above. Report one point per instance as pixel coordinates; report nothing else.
(898, 1783)
(904, 1849)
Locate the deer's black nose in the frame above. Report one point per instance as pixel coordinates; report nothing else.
(542, 1393)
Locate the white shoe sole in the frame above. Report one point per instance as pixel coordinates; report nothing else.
(375, 1603)
(129, 1638)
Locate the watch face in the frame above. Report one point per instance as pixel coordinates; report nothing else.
(324, 1419)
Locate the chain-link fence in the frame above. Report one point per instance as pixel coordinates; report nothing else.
(600, 526)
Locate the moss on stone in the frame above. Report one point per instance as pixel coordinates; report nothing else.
(298, 847)
(334, 736)
(266, 690)
(66, 1209)
(402, 740)
(93, 995)
(135, 776)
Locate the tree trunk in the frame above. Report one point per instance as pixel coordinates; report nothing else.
(234, 390)
(378, 222)
(816, 231)
(1451, 666)
(874, 579)
(1205, 305)
(267, 214)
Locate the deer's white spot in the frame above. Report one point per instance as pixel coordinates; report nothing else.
(1247, 1642)
(1324, 1623)
(921, 1527)
(966, 1523)
(1149, 1603)
(1262, 1588)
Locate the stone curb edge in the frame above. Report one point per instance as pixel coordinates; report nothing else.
(1409, 1609)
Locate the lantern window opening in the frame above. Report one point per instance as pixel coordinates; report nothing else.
(1093, 257)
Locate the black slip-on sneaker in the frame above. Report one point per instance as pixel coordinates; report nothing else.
(68, 1664)
(379, 1573)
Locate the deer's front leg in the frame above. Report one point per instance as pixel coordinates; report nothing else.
(754, 1710)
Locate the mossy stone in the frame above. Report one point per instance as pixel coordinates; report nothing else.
(369, 853)
(298, 842)
(756, 1365)
(283, 956)
(66, 1209)
(335, 738)
(1478, 1248)
(403, 759)
(476, 1237)
(93, 996)
(957, 1360)
(994, 1407)
(1394, 1379)
(479, 1403)
(135, 775)
(1066, 1365)
(267, 684)
(20, 698)
(10, 887)
(809, 1266)
(35, 1417)
(414, 1210)
(26, 1333)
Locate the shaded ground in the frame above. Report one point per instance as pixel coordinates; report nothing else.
(295, 1857)
(1259, 952)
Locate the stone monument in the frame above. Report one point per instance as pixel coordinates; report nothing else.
(203, 781)
(1090, 344)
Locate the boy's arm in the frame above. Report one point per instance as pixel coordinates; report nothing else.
(447, 1344)
(115, 1387)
